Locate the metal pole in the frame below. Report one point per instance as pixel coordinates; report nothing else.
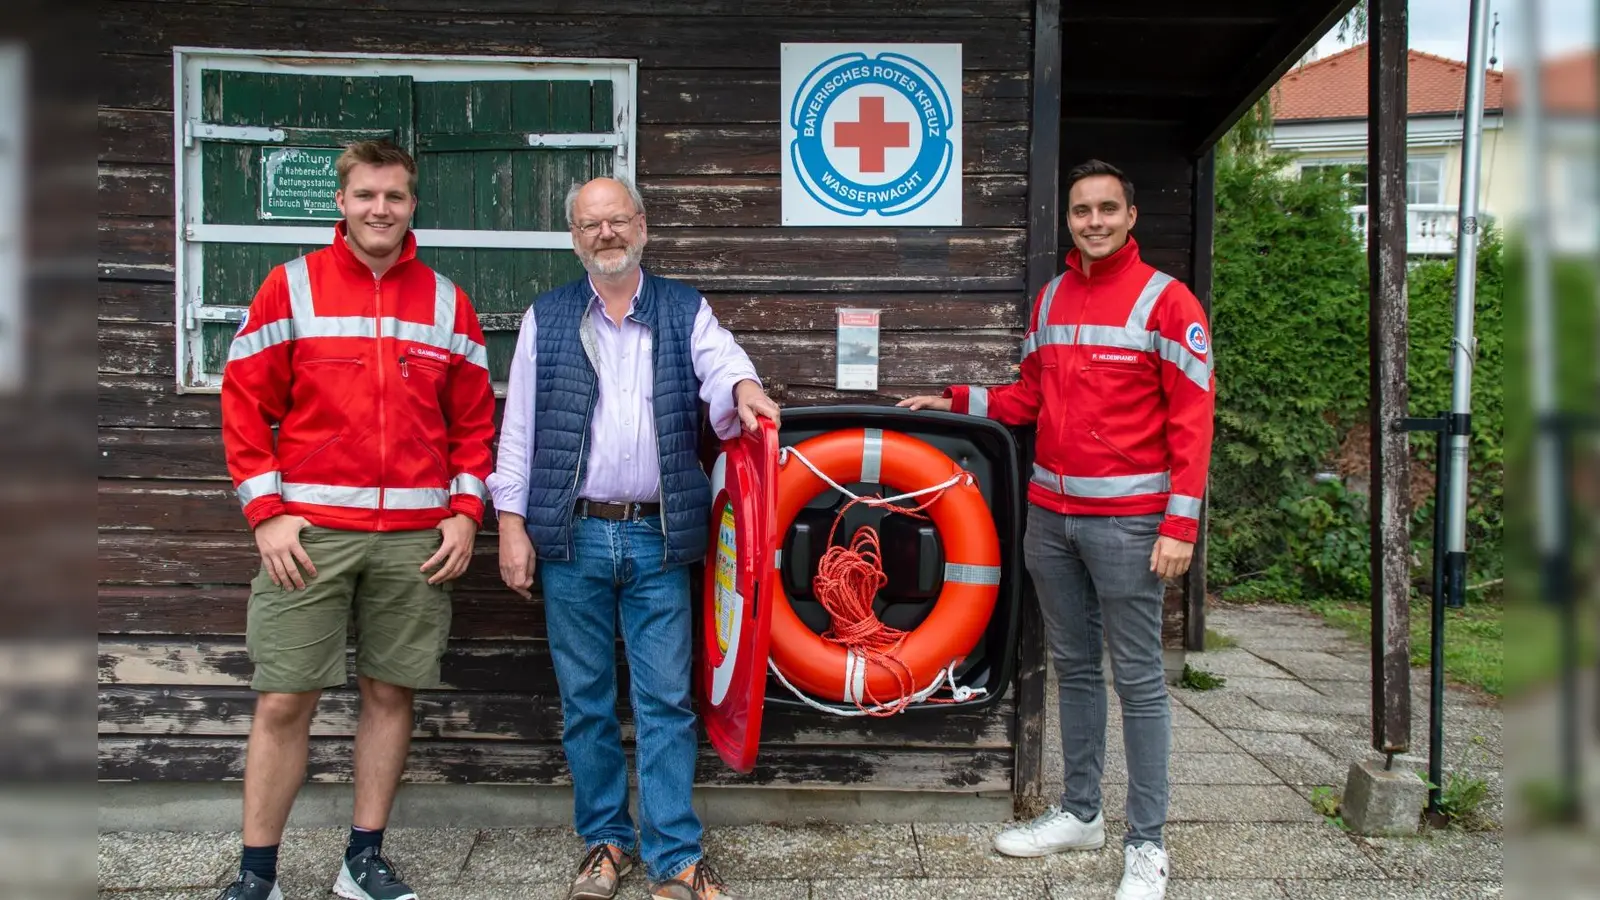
(1441, 488)
(1464, 346)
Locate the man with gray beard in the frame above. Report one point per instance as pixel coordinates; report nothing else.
(598, 477)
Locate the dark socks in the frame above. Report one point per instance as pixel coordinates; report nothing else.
(263, 861)
(361, 839)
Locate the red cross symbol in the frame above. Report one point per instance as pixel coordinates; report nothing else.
(871, 135)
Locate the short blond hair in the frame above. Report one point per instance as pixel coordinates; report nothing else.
(374, 153)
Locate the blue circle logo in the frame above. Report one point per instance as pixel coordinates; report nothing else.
(853, 166)
(1196, 336)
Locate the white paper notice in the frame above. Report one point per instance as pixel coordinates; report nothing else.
(858, 350)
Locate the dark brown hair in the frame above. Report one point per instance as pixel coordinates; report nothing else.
(374, 153)
(1095, 167)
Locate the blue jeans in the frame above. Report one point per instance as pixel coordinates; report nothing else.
(1093, 578)
(617, 572)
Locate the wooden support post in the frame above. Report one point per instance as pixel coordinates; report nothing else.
(1205, 219)
(1388, 402)
(1044, 222)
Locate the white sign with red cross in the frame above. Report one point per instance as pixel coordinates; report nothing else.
(871, 134)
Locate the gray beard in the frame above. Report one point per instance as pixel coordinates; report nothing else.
(632, 253)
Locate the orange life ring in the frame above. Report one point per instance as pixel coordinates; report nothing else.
(971, 572)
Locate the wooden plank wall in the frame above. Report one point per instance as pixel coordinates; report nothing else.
(1154, 156)
(174, 555)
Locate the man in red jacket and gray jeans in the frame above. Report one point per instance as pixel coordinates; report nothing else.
(1116, 376)
(366, 497)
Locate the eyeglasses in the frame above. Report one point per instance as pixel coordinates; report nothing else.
(618, 225)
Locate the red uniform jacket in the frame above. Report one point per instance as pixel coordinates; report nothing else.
(1116, 374)
(379, 388)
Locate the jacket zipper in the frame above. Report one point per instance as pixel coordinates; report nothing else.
(383, 436)
(1112, 447)
(666, 533)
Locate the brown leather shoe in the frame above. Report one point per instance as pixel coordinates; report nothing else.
(600, 873)
(698, 882)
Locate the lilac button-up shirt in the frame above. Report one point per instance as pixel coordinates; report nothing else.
(624, 466)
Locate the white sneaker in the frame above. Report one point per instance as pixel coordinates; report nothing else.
(1144, 873)
(1053, 832)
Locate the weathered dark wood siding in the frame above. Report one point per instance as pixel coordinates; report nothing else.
(174, 554)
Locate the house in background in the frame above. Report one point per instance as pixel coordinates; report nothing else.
(1320, 122)
(1571, 148)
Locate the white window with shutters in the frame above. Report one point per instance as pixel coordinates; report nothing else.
(498, 141)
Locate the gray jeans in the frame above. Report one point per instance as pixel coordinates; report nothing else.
(1092, 575)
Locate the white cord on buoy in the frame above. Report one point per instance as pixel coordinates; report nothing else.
(950, 482)
(959, 693)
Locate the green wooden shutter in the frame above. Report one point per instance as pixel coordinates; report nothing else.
(242, 116)
(495, 159)
(479, 169)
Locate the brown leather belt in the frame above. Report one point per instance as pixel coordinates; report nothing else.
(616, 512)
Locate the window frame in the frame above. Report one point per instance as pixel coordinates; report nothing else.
(1437, 160)
(192, 233)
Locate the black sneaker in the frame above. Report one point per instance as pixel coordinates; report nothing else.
(251, 886)
(371, 877)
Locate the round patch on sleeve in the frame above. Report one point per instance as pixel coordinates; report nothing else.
(1196, 336)
(244, 319)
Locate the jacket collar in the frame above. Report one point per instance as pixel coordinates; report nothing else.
(346, 256)
(1126, 256)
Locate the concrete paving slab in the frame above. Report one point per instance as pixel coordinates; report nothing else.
(1256, 687)
(1266, 744)
(1200, 768)
(805, 851)
(1237, 711)
(1298, 771)
(1177, 889)
(952, 850)
(1441, 856)
(1351, 748)
(160, 894)
(166, 859)
(1349, 704)
(532, 855)
(746, 890)
(1389, 890)
(1198, 740)
(1258, 850)
(1236, 661)
(1223, 803)
(1029, 888)
(1317, 664)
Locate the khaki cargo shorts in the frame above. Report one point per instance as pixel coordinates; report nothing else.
(297, 638)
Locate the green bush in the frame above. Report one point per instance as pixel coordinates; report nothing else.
(1290, 321)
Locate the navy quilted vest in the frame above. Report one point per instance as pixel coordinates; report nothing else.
(566, 391)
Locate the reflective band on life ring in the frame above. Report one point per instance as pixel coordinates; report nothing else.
(971, 572)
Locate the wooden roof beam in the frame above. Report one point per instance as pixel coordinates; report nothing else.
(1301, 28)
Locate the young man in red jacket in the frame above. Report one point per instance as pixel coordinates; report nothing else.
(372, 366)
(1116, 376)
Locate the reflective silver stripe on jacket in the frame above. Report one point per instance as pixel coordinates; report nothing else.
(331, 495)
(978, 401)
(1198, 370)
(470, 484)
(305, 323)
(415, 498)
(1101, 488)
(1132, 335)
(1181, 505)
(257, 486)
(268, 335)
(365, 497)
